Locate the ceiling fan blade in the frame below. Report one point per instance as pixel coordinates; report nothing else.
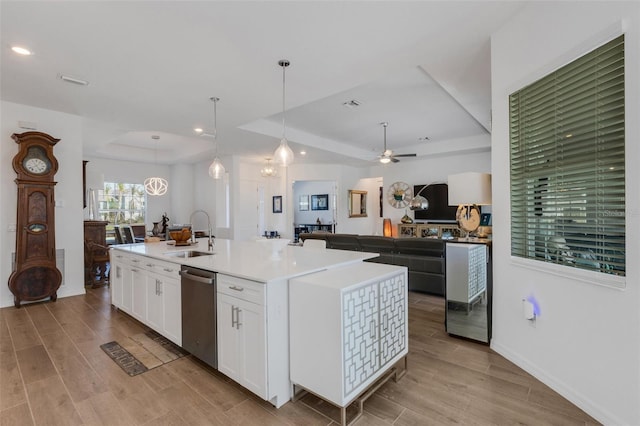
(404, 155)
(394, 160)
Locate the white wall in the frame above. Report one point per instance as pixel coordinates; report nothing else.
(135, 172)
(309, 188)
(68, 192)
(426, 170)
(585, 343)
(372, 224)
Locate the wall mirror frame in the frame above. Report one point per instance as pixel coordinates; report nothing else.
(357, 203)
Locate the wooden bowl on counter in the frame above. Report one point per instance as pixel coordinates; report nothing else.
(181, 237)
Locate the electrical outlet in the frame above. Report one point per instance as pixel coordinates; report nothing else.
(11, 227)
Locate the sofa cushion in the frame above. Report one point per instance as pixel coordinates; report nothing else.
(417, 263)
(420, 246)
(376, 244)
(343, 242)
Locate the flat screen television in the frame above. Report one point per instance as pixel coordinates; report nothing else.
(439, 210)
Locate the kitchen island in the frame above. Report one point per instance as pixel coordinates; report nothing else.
(252, 299)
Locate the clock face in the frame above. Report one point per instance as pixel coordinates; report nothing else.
(36, 161)
(35, 166)
(399, 195)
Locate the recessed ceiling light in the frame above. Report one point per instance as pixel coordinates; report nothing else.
(155, 137)
(198, 130)
(21, 50)
(423, 138)
(303, 152)
(73, 80)
(352, 104)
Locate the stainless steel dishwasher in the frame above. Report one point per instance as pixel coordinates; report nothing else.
(199, 314)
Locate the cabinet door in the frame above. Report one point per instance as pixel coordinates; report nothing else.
(115, 275)
(139, 294)
(127, 288)
(393, 309)
(252, 347)
(228, 337)
(361, 335)
(172, 315)
(154, 303)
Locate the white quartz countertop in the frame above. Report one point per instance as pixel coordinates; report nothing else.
(251, 259)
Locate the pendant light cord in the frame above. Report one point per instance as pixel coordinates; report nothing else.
(284, 63)
(215, 123)
(284, 67)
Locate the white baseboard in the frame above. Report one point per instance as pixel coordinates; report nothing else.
(585, 404)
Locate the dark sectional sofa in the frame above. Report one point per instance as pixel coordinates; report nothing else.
(423, 257)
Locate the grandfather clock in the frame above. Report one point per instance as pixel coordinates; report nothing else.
(35, 276)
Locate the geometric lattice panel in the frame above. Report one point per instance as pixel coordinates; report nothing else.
(361, 349)
(392, 317)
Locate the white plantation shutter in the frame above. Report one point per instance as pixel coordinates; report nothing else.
(567, 164)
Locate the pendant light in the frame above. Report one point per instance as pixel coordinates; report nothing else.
(155, 186)
(269, 170)
(216, 169)
(283, 154)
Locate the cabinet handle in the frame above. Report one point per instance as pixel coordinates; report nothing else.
(135, 260)
(118, 272)
(134, 270)
(118, 256)
(238, 318)
(233, 287)
(150, 265)
(158, 287)
(168, 270)
(233, 318)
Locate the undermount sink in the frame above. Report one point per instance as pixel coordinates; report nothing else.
(188, 253)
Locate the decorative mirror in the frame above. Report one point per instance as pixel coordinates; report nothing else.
(357, 203)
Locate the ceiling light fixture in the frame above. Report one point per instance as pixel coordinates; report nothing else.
(74, 80)
(283, 154)
(198, 130)
(303, 152)
(216, 169)
(269, 170)
(21, 50)
(155, 186)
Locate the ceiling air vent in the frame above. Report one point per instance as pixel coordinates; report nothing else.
(351, 104)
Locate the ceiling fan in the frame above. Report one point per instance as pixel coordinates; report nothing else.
(387, 154)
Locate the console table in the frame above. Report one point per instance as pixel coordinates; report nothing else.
(429, 230)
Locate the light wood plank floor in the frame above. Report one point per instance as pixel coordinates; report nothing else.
(53, 372)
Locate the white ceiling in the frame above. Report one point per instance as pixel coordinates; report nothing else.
(424, 67)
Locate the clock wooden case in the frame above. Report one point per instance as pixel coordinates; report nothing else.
(35, 276)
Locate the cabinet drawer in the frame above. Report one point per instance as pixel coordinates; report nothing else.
(251, 291)
(161, 267)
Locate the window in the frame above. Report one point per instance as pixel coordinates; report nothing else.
(120, 203)
(567, 164)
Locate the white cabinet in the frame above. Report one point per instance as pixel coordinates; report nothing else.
(116, 276)
(149, 290)
(469, 292)
(348, 326)
(466, 272)
(242, 352)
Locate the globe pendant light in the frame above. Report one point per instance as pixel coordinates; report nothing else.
(155, 186)
(216, 169)
(283, 154)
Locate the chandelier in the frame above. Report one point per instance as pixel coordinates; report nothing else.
(269, 170)
(155, 186)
